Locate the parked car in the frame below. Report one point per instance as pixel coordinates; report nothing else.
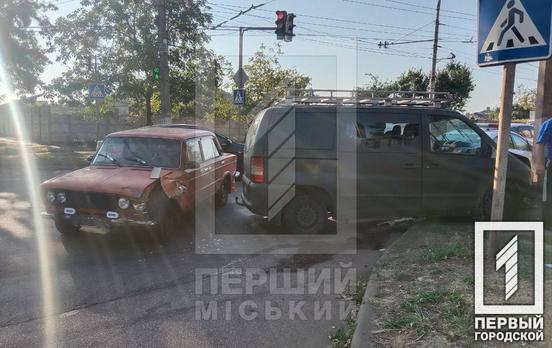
(149, 177)
(228, 145)
(410, 161)
(519, 146)
(526, 130)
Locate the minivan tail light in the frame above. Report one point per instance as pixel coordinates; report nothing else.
(257, 170)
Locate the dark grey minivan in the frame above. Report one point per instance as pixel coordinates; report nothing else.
(410, 161)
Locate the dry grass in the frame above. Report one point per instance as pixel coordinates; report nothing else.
(425, 288)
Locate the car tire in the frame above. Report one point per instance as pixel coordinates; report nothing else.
(65, 227)
(161, 210)
(221, 197)
(483, 210)
(305, 215)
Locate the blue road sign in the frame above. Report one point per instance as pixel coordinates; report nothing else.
(514, 31)
(96, 91)
(239, 96)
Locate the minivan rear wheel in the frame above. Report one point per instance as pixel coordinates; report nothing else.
(304, 215)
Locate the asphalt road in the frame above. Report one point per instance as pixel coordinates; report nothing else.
(123, 288)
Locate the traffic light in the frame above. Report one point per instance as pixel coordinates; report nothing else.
(281, 17)
(156, 73)
(288, 29)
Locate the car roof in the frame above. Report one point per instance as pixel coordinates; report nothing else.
(162, 132)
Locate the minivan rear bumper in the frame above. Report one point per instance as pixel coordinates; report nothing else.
(254, 196)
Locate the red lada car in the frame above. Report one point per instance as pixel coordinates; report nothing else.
(149, 176)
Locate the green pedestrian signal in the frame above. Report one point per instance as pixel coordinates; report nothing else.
(156, 73)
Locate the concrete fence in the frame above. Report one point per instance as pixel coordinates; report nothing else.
(48, 124)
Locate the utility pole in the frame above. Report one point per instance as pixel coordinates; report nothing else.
(433, 77)
(164, 85)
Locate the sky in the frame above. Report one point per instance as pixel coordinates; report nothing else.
(337, 40)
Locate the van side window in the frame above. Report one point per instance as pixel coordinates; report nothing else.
(453, 136)
(387, 133)
(315, 131)
(193, 151)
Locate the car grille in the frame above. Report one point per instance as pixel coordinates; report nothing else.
(91, 200)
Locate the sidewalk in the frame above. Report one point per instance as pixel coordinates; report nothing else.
(47, 157)
(421, 291)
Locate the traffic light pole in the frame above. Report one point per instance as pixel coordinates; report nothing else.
(241, 82)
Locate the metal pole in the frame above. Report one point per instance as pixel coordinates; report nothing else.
(164, 87)
(433, 77)
(241, 83)
(503, 147)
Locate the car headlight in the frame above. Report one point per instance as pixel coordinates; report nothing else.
(61, 197)
(124, 203)
(140, 206)
(51, 197)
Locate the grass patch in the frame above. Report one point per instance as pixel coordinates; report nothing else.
(418, 313)
(343, 336)
(447, 251)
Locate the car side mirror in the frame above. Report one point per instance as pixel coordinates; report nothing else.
(90, 158)
(191, 165)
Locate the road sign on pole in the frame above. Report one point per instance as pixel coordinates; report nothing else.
(513, 31)
(239, 96)
(96, 91)
(240, 77)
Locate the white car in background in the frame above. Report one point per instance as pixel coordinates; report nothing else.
(519, 146)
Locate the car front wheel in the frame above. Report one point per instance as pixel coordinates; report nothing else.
(304, 215)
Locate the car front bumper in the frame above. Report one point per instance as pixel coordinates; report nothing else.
(95, 220)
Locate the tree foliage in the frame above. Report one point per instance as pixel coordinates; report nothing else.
(455, 78)
(20, 52)
(122, 35)
(269, 80)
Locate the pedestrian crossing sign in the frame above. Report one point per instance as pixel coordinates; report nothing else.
(514, 31)
(96, 91)
(239, 96)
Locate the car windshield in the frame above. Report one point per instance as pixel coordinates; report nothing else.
(139, 151)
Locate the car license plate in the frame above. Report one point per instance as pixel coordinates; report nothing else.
(88, 220)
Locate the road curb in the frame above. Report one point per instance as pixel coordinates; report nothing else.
(365, 317)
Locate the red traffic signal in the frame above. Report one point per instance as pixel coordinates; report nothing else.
(281, 17)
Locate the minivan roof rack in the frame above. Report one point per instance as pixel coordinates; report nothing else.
(365, 98)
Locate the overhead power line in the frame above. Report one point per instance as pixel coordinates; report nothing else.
(365, 3)
(342, 20)
(241, 13)
(430, 8)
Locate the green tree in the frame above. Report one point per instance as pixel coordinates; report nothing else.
(122, 34)
(20, 52)
(412, 80)
(526, 98)
(269, 80)
(456, 78)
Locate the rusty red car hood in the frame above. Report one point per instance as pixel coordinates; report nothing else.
(124, 181)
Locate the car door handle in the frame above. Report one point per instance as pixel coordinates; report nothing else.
(410, 166)
(432, 165)
(222, 162)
